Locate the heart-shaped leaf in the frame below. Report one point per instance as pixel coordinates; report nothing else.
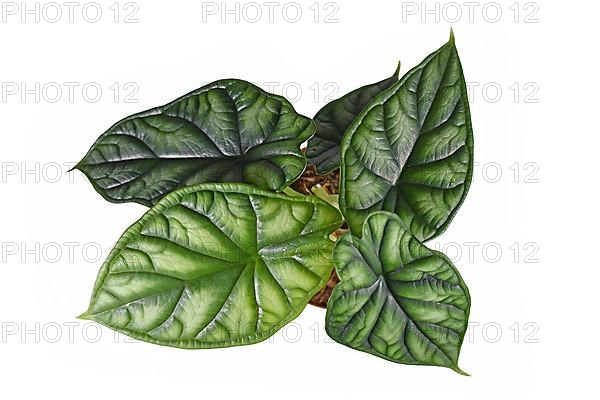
(410, 151)
(323, 149)
(397, 299)
(227, 131)
(216, 265)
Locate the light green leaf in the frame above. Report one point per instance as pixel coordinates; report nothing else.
(397, 299)
(410, 151)
(216, 265)
(227, 131)
(323, 149)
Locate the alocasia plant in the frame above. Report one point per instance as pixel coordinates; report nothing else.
(227, 131)
(221, 259)
(323, 150)
(397, 299)
(410, 151)
(216, 265)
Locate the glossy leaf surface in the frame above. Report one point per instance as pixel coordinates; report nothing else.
(397, 299)
(410, 150)
(332, 121)
(227, 131)
(216, 265)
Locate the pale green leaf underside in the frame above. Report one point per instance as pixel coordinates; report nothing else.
(216, 265)
(397, 299)
(333, 119)
(227, 131)
(410, 150)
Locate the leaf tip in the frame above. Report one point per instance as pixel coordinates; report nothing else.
(397, 71)
(451, 40)
(85, 316)
(460, 371)
(75, 167)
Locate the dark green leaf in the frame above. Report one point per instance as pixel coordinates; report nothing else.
(410, 150)
(332, 120)
(397, 299)
(227, 131)
(216, 265)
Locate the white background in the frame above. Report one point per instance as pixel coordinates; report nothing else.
(534, 321)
